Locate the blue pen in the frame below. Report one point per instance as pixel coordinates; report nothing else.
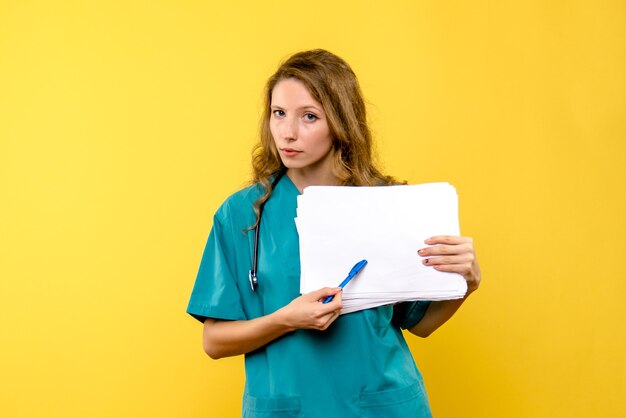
(355, 270)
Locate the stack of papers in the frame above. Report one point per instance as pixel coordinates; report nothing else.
(339, 226)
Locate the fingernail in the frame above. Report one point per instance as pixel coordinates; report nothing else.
(428, 241)
(426, 261)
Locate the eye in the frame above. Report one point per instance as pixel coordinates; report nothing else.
(279, 113)
(310, 117)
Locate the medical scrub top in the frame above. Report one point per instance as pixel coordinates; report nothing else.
(360, 366)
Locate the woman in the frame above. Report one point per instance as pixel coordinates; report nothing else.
(302, 358)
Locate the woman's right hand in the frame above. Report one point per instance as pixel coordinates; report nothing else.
(308, 311)
(222, 338)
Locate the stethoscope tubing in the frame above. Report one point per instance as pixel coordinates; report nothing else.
(252, 274)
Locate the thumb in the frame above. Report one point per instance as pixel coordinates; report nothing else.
(324, 292)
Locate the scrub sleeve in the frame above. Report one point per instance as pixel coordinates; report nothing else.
(215, 293)
(360, 367)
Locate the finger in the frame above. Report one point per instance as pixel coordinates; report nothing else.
(443, 249)
(448, 239)
(453, 259)
(337, 302)
(331, 318)
(323, 309)
(454, 268)
(322, 322)
(323, 293)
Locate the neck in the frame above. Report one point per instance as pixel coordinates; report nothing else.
(302, 178)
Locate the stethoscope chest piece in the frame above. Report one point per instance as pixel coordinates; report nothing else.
(254, 282)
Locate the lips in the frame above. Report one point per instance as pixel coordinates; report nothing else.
(290, 152)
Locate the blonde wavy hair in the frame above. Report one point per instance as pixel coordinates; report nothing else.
(330, 81)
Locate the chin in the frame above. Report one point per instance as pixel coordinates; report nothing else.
(294, 165)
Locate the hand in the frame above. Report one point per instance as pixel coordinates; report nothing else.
(453, 254)
(308, 311)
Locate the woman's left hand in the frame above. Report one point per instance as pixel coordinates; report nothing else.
(453, 254)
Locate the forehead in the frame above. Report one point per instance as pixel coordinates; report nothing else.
(291, 92)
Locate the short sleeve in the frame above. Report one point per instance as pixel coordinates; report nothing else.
(215, 293)
(407, 314)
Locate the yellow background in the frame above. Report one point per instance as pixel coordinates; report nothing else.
(124, 124)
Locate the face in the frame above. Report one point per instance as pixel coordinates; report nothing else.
(300, 129)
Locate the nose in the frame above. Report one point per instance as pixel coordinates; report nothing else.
(289, 129)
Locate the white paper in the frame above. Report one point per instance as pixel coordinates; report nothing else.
(339, 226)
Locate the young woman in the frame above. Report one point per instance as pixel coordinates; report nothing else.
(303, 359)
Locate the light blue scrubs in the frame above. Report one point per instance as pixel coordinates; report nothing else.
(359, 367)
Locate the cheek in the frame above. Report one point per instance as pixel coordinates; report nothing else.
(273, 130)
(322, 138)
(327, 140)
(325, 145)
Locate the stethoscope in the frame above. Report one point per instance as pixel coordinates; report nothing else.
(252, 274)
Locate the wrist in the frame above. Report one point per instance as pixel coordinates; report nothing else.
(281, 319)
(470, 290)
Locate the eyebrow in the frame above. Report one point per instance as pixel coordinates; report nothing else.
(300, 108)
